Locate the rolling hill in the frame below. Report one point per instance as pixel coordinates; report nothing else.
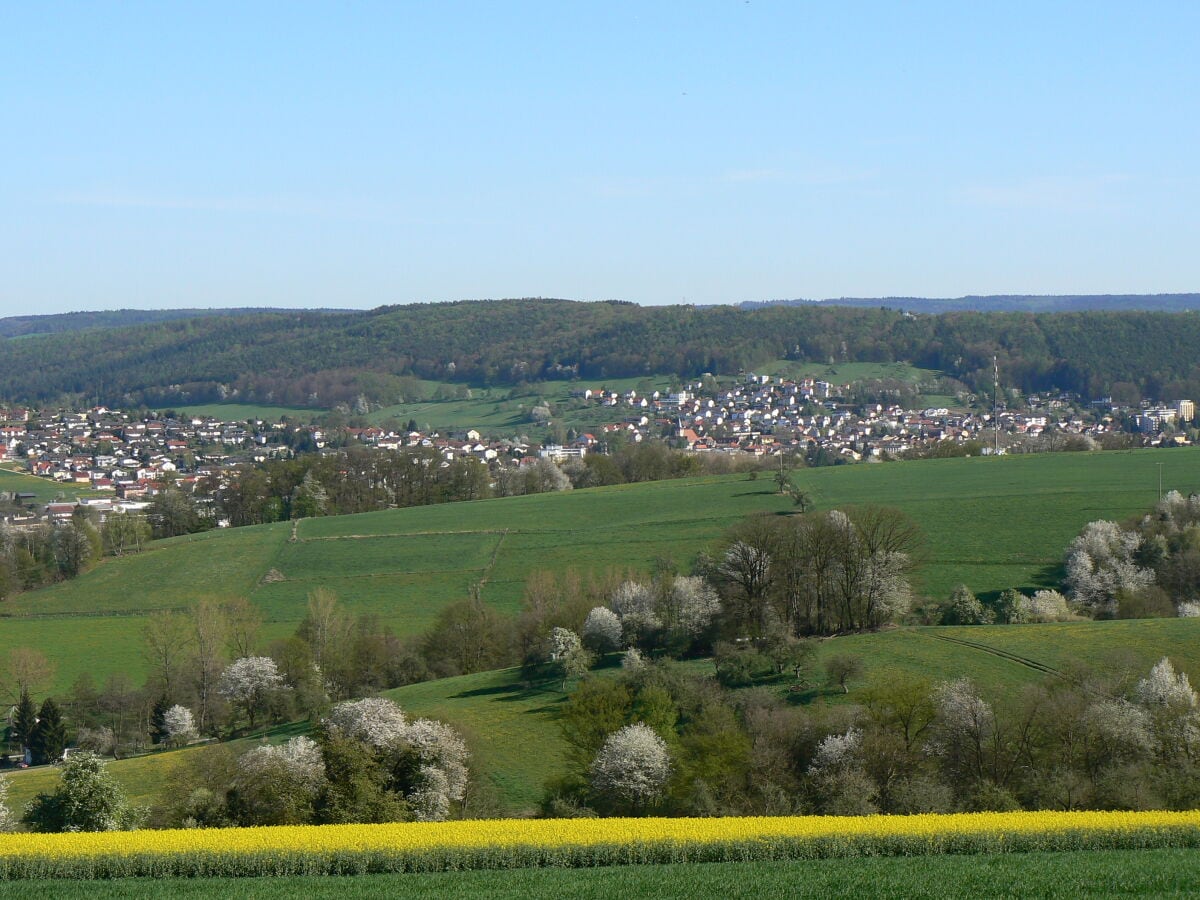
(320, 359)
(991, 523)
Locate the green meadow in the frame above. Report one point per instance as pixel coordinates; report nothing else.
(43, 489)
(241, 412)
(989, 523)
(1104, 873)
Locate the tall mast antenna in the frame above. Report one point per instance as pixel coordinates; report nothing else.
(996, 400)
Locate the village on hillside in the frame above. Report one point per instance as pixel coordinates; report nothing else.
(106, 459)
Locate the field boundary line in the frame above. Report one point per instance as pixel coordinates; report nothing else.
(995, 651)
(487, 570)
(398, 534)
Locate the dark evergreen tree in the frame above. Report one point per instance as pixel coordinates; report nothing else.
(158, 720)
(24, 721)
(49, 737)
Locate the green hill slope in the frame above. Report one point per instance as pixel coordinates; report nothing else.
(989, 523)
(513, 733)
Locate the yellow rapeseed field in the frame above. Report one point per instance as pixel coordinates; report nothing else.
(565, 834)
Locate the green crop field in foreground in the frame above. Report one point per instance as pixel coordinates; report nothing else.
(989, 523)
(1125, 873)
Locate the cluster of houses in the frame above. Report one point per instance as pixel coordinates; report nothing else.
(121, 462)
(110, 461)
(765, 415)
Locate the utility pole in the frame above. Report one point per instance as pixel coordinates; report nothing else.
(1159, 480)
(996, 400)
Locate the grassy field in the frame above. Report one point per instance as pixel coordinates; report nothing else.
(506, 411)
(850, 372)
(43, 489)
(989, 523)
(1125, 873)
(241, 412)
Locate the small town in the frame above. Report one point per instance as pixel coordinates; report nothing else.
(106, 460)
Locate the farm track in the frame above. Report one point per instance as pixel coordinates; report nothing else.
(994, 651)
(400, 534)
(95, 614)
(487, 571)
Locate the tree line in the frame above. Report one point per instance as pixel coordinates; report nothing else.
(658, 739)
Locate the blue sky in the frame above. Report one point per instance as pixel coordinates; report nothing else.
(350, 155)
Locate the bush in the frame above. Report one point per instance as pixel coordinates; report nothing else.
(87, 798)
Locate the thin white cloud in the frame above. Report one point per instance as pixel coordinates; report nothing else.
(1061, 193)
(117, 199)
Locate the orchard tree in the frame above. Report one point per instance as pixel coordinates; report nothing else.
(694, 605)
(570, 658)
(1100, 567)
(424, 761)
(637, 607)
(375, 721)
(250, 683)
(602, 630)
(179, 725)
(964, 608)
(631, 768)
(442, 770)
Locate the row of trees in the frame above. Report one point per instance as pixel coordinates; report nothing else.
(819, 573)
(659, 740)
(368, 763)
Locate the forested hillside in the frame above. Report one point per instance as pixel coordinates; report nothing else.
(320, 359)
(1012, 303)
(18, 326)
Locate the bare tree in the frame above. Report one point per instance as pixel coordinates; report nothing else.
(325, 625)
(209, 633)
(245, 623)
(28, 671)
(167, 635)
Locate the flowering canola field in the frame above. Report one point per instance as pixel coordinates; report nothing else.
(509, 843)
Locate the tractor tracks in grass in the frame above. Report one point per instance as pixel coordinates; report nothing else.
(995, 651)
(487, 571)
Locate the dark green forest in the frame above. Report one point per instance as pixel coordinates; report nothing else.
(320, 359)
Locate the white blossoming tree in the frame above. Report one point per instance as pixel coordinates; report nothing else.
(635, 604)
(570, 658)
(376, 721)
(695, 603)
(437, 750)
(1100, 566)
(632, 767)
(841, 781)
(179, 725)
(277, 785)
(602, 630)
(250, 683)
(1174, 711)
(7, 820)
(443, 769)
(1049, 606)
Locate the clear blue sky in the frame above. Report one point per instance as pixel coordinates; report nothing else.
(349, 155)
